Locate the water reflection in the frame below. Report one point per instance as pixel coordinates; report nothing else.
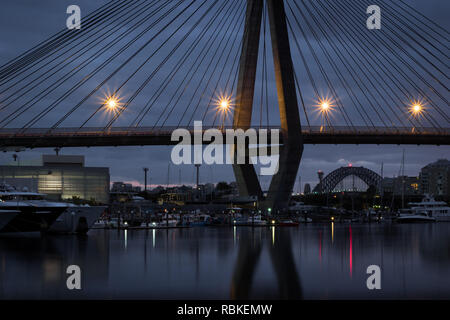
(326, 261)
(280, 251)
(34, 267)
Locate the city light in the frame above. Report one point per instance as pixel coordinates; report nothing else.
(224, 104)
(416, 108)
(111, 103)
(325, 105)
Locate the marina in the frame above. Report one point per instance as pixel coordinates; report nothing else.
(329, 262)
(223, 150)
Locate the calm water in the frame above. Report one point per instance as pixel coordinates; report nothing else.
(308, 262)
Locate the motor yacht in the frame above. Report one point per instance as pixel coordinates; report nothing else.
(439, 210)
(34, 213)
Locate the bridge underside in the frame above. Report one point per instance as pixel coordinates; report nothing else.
(146, 137)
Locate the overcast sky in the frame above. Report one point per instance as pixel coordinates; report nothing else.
(24, 23)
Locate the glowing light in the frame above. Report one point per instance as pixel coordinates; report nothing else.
(325, 105)
(111, 103)
(332, 232)
(416, 108)
(273, 236)
(351, 253)
(224, 104)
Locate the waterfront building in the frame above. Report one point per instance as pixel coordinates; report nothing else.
(435, 178)
(396, 185)
(60, 177)
(121, 187)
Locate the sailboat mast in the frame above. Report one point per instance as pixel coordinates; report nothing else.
(403, 180)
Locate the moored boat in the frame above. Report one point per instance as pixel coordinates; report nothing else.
(439, 210)
(35, 213)
(415, 218)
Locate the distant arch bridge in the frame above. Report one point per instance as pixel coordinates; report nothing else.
(330, 182)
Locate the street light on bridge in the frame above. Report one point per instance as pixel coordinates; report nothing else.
(325, 105)
(416, 108)
(224, 105)
(111, 103)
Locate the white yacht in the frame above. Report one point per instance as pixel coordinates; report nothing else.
(255, 220)
(77, 219)
(300, 207)
(439, 210)
(34, 213)
(412, 217)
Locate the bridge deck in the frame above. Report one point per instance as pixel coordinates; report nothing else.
(96, 137)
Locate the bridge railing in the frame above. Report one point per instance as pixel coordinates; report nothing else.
(168, 130)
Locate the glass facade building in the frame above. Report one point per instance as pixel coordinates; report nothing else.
(60, 178)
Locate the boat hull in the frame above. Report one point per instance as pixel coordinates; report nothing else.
(415, 219)
(32, 219)
(76, 220)
(6, 216)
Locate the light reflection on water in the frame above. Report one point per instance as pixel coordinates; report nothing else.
(326, 261)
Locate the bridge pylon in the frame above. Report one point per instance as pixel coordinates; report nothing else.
(291, 152)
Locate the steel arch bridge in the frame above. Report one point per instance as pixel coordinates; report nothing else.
(330, 182)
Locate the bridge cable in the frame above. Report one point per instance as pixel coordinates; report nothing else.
(144, 84)
(74, 34)
(422, 16)
(392, 63)
(211, 76)
(233, 30)
(353, 40)
(109, 60)
(346, 86)
(80, 53)
(388, 60)
(349, 68)
(22, 57)
(158, 33)
(198, 61)
(309, 73)
(361, 65)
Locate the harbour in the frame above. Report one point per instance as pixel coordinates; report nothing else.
(211, 153)
(325, 261)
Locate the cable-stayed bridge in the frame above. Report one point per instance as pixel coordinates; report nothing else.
(161, 136)
(138, 69)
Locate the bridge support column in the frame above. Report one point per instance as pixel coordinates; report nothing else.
(245, 174)
(290, 153)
